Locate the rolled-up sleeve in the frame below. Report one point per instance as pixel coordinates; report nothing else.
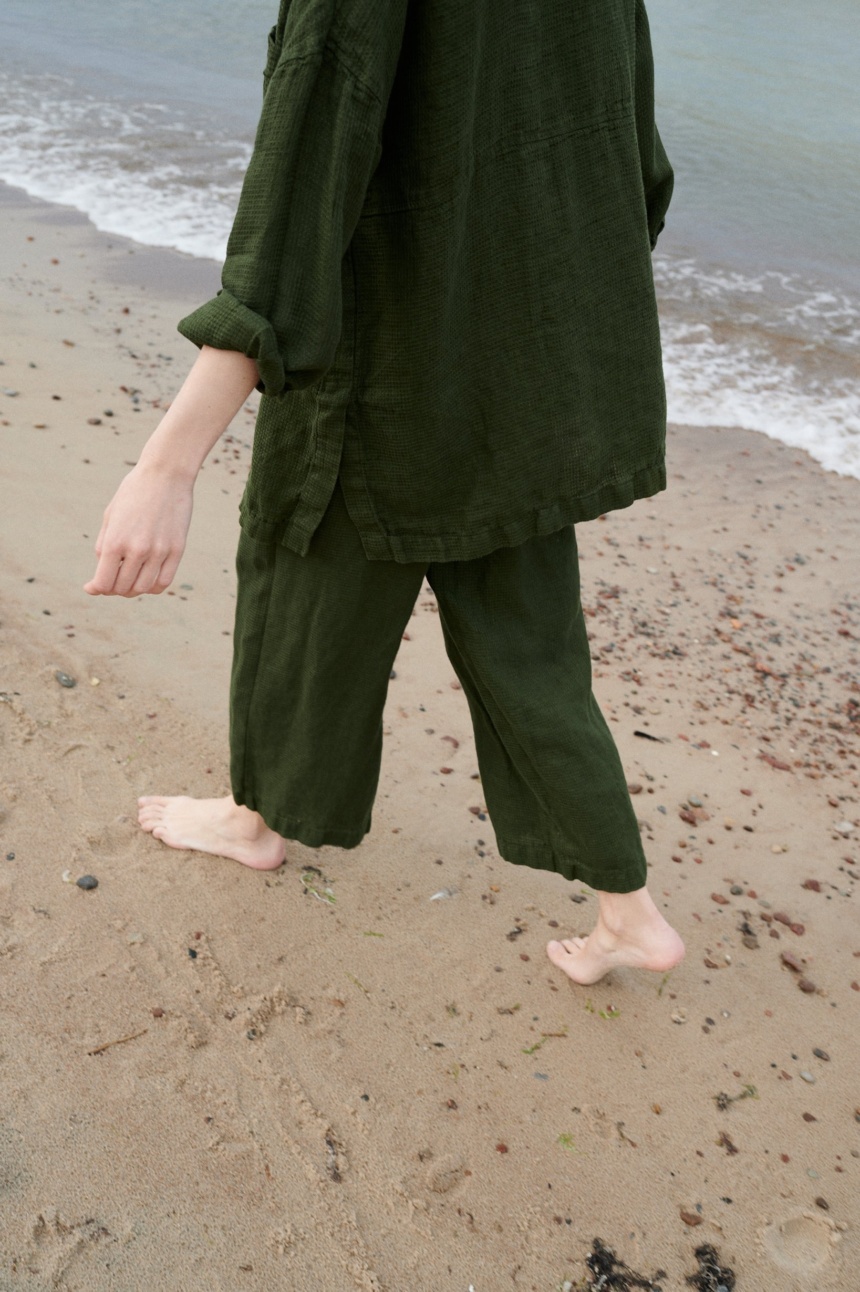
(317, 145)
(658, 177)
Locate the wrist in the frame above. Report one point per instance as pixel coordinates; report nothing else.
(168, 459)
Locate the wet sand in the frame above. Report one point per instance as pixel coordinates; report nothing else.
(361, 1070)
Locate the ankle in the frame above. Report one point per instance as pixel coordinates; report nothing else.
(620, 912)
(250, 821)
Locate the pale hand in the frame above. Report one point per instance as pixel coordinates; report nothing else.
(143, 534)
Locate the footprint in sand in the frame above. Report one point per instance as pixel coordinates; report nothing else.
(803, 1243)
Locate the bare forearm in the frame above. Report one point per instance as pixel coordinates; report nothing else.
(215, 389)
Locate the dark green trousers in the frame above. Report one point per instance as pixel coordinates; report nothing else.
(315, 640)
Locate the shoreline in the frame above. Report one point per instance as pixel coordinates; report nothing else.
(316, 1097)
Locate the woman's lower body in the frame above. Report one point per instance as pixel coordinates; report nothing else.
(315, 640)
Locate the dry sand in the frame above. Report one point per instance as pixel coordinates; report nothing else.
(325, 1079)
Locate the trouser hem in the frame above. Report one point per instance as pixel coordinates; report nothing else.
(542, 856)
(302, 831)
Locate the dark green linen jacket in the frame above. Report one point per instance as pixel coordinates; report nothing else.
(441, 263)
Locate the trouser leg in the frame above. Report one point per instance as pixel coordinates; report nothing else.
(314, 643)
(552, 776)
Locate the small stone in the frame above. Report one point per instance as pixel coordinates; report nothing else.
(691, 1217)
(694, 801)
(750, 941)
(821, 1054)
(807, 985)
(94, 421)
(634, 789)
(251, 1033)
(10, 856)
(822, 1203)
(65, 679)
(736, 890)
(108, 412)
(87, 881)
(720, 899)
(157, 1012)
(813, 885)
(808, 1077)
(790, 960)
(844, 827)
(808, 1117)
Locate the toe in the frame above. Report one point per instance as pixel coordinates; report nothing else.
(148, 800)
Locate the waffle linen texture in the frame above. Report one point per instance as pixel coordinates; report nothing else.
(441, 263)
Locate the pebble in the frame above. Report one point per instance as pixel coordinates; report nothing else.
(807, 985)
(822, 1203)
(807, 1076)
(10, 856)
(750, 941)
(10, 393)
(87, 881)
(821, 1054)
(736, 889)
(844, 827)
(764, 903)
(694, 801)
(64, 679)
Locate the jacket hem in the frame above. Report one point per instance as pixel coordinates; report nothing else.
(296, 534)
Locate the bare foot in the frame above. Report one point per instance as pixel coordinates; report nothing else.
(630, 931)
(219, 826)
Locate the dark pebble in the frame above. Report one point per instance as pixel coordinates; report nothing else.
(736, 889)
(821, 1054)
(251, 1033)
(822, 1203)
(392, 673)
(192, 953)
(64, 679)
(806, 984)
(87, 881)
(10, 856)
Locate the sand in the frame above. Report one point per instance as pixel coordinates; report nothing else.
(360, 1071)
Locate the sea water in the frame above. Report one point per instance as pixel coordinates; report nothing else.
(141, 113)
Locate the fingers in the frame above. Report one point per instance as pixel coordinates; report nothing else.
(148, 579)
(102, 582)
(132, 575)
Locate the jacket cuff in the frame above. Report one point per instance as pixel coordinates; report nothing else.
(226, 324)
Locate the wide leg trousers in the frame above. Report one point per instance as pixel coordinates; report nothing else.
(315, 640)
